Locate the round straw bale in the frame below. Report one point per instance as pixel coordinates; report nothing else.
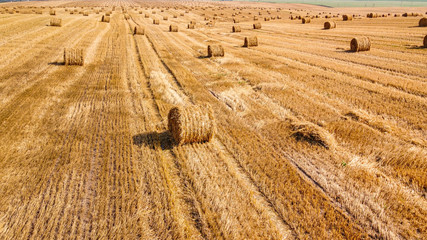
(191, 26)
(346, 17)
(57, 22)
(255, 18)
(215, 51)
(236, 29)
(105, 19)
(173, 28)
(235, 20)
(156, 21)
(425, 41)
(250, 41)
(52, 12)
(423, 22)
(396, 15)
(193, 124)
(360, 44)
(306, 20)
(73, 56)
(146, 15)
(267, 19)
(138, 30)
(329, 25)
(257, 25)
(126, 16)
(165, 18)
(175, 16)
(372, 15)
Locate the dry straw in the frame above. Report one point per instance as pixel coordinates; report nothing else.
(346, 17)
(257, 25)
(193, 124)
(313, 134)
(330, 25)
(250, 41)
(372, 15)
(215, 51)
(57, 22)
(73, 56)
(423, 22)
(138, 30)
(360, 44)
(236, 29)
(173, 28)
(306, 20)
(105, 18)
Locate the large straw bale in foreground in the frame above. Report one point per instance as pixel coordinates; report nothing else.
(105, 18)
(425, 41)
(138, 30)
(57, 22)
(215, 51)
(191, 124)
(423, 22)
(73, 56)
(360, 44)
(250, 41)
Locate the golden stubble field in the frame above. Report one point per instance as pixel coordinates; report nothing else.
(312, 142)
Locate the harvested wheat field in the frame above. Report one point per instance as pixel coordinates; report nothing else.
(112, 127)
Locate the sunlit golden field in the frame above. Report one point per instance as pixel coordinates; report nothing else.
(313, 141)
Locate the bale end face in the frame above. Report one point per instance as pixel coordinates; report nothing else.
(73, 56)
(215, 51)
(360, 44)
(423, 22)
(191, 124)
(236, 29)
(250, 42)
